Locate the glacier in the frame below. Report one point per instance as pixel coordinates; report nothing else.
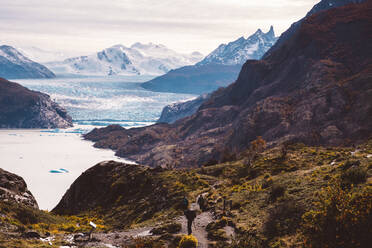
(101, 101)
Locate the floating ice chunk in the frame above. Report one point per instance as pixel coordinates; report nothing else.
(59, 171)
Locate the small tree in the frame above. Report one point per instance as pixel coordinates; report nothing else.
(257, 146)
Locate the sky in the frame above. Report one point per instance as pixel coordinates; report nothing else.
(82, 27)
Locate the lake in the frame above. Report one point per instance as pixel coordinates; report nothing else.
(50, 160)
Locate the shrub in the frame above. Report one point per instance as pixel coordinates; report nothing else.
(167, 228)
(188, 241)
(246, 240)
(353, 175)
(276, 192)
(283, 219)
(350, 163)
(341, 219)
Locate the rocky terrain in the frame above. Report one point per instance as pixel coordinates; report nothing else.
(314, 89)
(13, 65)
(219, 68)
(175, 111)
(14, 189)
(23, 108)
(321, 6)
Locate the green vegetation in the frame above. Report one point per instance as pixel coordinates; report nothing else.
(188, 241)
(292, 196)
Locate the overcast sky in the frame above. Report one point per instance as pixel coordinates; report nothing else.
(86, 26)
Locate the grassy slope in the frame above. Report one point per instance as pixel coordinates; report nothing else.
(274, 199)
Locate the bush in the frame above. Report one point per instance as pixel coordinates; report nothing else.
(353, 175)
(188, 241)
(341, 219)
(276, 192)
(246, 240)
(283, 219)
(350, 163)
(167, 228)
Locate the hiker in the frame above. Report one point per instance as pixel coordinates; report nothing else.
(202, 203)
(190, 216)
(185, 203)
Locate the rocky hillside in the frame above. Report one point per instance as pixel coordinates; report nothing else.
(13, 65)
(14, 189)
(314, 89)
(293, 195)
(129, 193)
(23, 108)
(220, 68)
(321, 6)
(175, 111)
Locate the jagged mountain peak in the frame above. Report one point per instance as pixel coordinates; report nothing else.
(240, 50)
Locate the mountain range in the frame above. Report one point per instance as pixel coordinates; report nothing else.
(220, 68)
(314, 88)
(14, 64)
(139, 59)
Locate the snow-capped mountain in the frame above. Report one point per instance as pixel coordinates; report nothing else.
(240, 50)
(139, 59)
(42, 55)
(220, 68)
(14, 64)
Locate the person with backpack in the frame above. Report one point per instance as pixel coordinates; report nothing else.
(190, 216)
(185, 203)
(202, 203)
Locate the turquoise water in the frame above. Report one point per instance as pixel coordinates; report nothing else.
(100, 101)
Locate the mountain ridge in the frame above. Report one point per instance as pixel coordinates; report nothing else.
(138, 59)
(218, 69)
(305, 92)
(14, 64)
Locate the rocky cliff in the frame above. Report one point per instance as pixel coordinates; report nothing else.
(23, 108)
(14, 189)
(314, 89)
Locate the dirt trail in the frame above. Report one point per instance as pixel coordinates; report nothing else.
(198, 227)
(117, 239)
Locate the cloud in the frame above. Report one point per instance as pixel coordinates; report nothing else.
(184, 25)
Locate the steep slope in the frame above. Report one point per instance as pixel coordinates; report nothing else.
(15, 65)
(220, 68)
(179, 110)
(139, 59)
(14, 189)
(322, 5)
(314, 89)
(125, 193)
(23, 108)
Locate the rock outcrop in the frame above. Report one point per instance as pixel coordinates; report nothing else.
(23, 108)
(13, 65)
(315, 89)
(14, 189)
(175, 111)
